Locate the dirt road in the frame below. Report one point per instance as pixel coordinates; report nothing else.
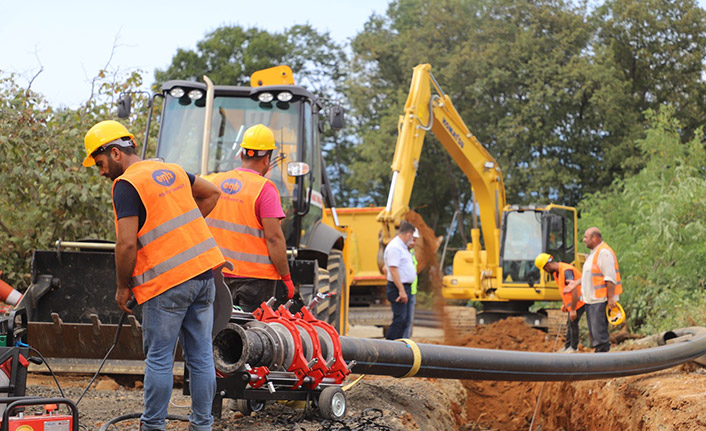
(668, 400)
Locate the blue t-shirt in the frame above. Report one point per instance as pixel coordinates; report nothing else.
(128, 203)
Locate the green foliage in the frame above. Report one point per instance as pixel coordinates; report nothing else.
(47, 194)
(554, 90)
(655, 222)
(230, 54)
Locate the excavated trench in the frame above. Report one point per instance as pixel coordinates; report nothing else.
(671, 399)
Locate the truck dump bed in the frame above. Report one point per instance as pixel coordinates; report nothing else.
(368, 305)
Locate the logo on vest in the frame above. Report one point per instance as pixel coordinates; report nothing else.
(164, 177)
(231, 186)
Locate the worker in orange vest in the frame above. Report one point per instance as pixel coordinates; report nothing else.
(564, 273)
(246, 224)
(164, 256)
(601, 286)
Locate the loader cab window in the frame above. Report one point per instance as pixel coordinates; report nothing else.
(521, 243)
(181, 135)
(311, 183)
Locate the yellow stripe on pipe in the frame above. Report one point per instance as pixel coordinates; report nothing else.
(416, 364)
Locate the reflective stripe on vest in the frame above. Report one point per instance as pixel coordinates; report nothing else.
(165, 228)
(174, 244)
(560, 278)
(235, 226)
(599, 285)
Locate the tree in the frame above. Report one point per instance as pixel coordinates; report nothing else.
(646, 54)
(47, 194)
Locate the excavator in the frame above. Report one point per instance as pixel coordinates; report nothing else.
(496, 268)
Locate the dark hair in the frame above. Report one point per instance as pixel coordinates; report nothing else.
(246, 154)
(405, 227)
(125, 150)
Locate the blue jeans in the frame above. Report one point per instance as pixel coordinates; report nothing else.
(411, 300)
(184, 311)
(400, 311)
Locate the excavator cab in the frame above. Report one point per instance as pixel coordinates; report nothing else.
(531, 230)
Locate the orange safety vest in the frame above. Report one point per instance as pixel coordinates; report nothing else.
(560, 278)
(174, 245)
(235, 226)
(599, 286)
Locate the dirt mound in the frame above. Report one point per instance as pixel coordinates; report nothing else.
(508, 334)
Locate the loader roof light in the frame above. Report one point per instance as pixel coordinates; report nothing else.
(297, 169)
(195, 94)
(284, 96)
(489, 165)
(177, 92)
(265, 97)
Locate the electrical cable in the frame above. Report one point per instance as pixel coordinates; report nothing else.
(32, 349)
(137, 416)
(123, 317)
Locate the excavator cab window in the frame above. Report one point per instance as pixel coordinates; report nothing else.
(521, 243)
(558, 234)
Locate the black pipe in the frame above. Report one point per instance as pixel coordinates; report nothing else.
(235, 346)
(396, 358)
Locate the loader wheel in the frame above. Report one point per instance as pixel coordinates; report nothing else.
(322, 310)
(332, 403)
(337, 283)
(246, 407)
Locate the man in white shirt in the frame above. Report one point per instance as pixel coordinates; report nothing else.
(601, 286)
(400, 276)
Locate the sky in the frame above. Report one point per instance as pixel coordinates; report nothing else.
(70, 41)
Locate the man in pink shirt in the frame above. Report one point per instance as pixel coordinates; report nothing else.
(246, 224)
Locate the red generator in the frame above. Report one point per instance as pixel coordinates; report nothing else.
(14, 419)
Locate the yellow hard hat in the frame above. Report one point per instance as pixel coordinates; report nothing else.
(101, 134)
(259, 137)
(615, 315)
(541, 260)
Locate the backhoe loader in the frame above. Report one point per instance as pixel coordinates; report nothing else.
(70, 303)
